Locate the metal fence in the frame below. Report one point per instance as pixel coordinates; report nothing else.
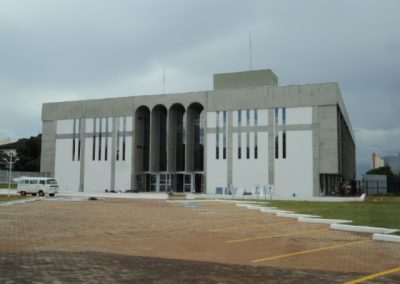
(4, 174)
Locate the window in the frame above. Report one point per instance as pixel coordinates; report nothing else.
(283, 129)
(240, 134)
(224, 133)
(217, 137)
(73, 139)
(284, 133)
(106, 142)
(276, 135)
(79, 138)
(123, 138)
(100, 136)
(255, 134)
(94, 140)
(247, 134)
(42, 182)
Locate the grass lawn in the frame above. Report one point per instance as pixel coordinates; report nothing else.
(375, 211)
(5, 185)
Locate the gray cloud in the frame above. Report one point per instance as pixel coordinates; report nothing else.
(66, 50)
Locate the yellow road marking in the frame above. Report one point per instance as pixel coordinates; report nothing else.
(306, 251)
(373, 276)
(277, 236)
(251, 226)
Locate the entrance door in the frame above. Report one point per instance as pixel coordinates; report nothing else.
(198, 183)
(188, 183)
(178, 182)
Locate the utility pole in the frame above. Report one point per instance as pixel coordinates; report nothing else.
(10, 161)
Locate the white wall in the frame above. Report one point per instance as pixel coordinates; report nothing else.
(66, 126)
(97, 172)
(301, 115)
(262, 117)
(294, 175)
(123, 168)
(67, 172)
(216, 169)
(247, 173)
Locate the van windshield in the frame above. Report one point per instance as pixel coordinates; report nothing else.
(51, 181)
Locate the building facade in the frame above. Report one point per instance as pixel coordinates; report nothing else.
(377, 161)
(393, 162)
(247, 131)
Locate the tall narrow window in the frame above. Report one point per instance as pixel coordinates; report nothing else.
(94, 140)
(79, 138)
(118, 137)
(240, 134)
(217, 137)
(255, 135)
(224, 138)
(247, 134)
(284, 133)
(106, 141)
(73, 139)
(100, 136)
(276, 134)
(123, 138)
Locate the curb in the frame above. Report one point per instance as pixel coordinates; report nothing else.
(322, 221)
(294, 215)
(362, 229)
(273, 210)
(378, 234)
(386, 238)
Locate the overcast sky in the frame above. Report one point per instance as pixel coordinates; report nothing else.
(58, 50)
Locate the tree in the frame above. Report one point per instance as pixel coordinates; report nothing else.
(381, 171)
(28, 152)
(393, 180)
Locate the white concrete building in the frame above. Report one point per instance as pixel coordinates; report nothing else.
(248, 131)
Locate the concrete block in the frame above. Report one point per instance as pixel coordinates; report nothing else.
(322, 221)
(362, 229)
(386, 238)
(293, 215)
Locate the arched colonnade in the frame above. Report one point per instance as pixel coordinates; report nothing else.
(169, 148)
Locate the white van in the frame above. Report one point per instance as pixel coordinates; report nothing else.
(36, 185)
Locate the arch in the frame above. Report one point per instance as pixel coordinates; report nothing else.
(176, 138)
(141, 148)
(158, 139)
(195, 137)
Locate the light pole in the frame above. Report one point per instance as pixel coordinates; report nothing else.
(10, 162)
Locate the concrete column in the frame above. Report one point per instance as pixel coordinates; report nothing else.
(133, 147)
(271, 146)
(171, 140)
(229, 150)
(48, 156)
(189, 163)
(113, 151)
(82, 155)
(154, 140)
(315, 141)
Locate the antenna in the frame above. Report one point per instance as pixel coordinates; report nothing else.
(250, 53)
(163, 81)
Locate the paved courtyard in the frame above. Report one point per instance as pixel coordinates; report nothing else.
(142, 241)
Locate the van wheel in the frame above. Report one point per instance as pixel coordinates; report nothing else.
(33, 194)
(51, 194)
(23, 193)
(41, 193)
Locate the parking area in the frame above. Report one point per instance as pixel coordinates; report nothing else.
(117, 241)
